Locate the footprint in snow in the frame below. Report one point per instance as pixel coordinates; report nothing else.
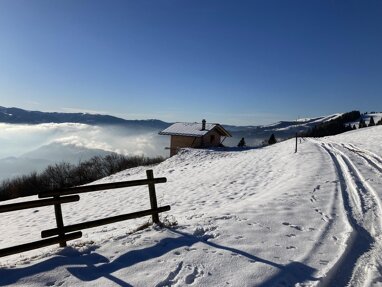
(172, 277)
(196, 273)
(297, 227)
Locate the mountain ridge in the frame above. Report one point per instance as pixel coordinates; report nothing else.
(282, 129)
(20, 116)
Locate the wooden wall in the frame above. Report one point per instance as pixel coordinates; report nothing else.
(209, 140)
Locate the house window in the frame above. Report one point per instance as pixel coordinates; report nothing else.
(212, 138)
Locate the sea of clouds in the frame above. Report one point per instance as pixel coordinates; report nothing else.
(25, 148)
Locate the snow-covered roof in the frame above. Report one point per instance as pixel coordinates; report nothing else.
(193, 130)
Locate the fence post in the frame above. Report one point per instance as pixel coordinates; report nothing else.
(296, 144)
(153, 197)
(59, 221)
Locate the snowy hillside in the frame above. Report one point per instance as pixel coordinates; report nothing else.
(258, 217)
(301, 123)
(255, 135)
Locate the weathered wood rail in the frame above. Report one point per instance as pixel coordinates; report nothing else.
(63, 233)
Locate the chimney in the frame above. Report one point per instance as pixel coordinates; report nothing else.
(203, 125)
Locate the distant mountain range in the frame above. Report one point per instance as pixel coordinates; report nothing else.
(282, 129)
(20, 116)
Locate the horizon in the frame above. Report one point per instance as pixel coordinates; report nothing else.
(253, 64)
(154, 119)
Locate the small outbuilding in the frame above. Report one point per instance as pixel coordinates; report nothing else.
(195, 135)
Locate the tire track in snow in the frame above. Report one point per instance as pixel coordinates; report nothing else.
(371, 158)
(364, 215)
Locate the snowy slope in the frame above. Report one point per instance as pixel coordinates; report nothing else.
(259, 217)
(301, 123)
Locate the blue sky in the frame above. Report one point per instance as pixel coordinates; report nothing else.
(234, 62)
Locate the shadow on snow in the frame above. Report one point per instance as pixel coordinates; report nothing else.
(291, 273)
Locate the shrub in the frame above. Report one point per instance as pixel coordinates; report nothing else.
(63, 175)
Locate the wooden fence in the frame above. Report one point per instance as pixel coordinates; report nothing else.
(63, 233)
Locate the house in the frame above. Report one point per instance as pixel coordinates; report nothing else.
(195, 135)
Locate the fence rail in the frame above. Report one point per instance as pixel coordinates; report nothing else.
(98, 187)
(37, 203)
(57, 197)
(100, 222)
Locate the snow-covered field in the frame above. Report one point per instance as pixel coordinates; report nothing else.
(258, 217)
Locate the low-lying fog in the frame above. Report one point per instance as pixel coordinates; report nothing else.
(26, 148)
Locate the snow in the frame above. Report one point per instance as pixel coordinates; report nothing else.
(299, 123)
(253, 217)
(188, 129)
(328, 118)
(320, 119)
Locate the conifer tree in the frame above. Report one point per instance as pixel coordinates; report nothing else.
(241, 143)
(371, 123)
(272, 139)
(362, 123)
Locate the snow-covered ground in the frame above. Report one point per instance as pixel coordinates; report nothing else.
(258, 217)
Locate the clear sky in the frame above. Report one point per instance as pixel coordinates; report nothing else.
(233, 62)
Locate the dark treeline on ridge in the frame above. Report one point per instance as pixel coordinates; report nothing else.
(335, 126)
(63, 175)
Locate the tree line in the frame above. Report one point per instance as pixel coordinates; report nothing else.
(63, 175)
(340, 125)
